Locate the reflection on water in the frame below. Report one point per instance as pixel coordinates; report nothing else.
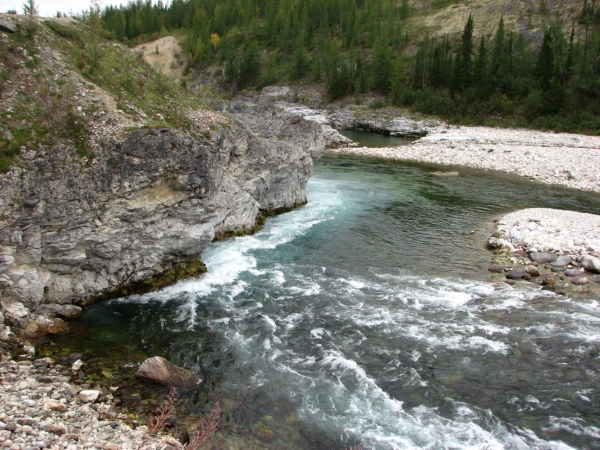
(367, 317)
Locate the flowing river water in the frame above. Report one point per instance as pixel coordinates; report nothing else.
(368, 317)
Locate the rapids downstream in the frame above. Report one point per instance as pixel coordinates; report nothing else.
(367, 317)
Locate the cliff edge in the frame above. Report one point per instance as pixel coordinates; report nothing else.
(134, 205)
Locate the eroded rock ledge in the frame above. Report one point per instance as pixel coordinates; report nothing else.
(143, 210)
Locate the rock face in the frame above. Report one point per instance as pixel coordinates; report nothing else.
(144, 209)
(383, 123)
(161, 371)
(7, 26)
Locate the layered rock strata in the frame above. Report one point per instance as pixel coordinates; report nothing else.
(141, 212)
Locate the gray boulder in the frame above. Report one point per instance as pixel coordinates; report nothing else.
(516, 274)
(7, 26)
(562, 261)
(591, 264)
(496, 268)
(63, 311)
(542, 257)
(580, 280)
(533, 271)
(161, 371)
(573, 272)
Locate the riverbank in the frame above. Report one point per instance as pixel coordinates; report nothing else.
(551, 158)
(41, 409)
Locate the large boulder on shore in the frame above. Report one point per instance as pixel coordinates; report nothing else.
(590, 263)
(161, 371)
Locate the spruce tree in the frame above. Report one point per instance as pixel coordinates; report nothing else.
(382, 65)
(466, 55)
(544, 64)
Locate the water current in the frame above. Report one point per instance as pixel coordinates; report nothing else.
(367, 317)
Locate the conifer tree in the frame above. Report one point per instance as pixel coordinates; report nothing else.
(382, 65)
(465, 68)
(397, 84)
(544, 64)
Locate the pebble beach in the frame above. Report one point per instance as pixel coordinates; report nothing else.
(551, 158)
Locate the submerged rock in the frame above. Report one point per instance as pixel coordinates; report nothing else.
(574, 272)
(516, 274)
(159, 370)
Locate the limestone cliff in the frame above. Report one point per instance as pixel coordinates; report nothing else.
(146, 206)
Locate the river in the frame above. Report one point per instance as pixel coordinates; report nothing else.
(368, 317)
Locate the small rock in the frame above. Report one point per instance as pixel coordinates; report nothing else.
(496, 268)
(542, 257)
(562, 261)
(30, 403)
(580, 280)
(97, 99)
(77, 365)
(56, 428)
(75, 356)
(89, 396)
(161, 371)
(516, 274)
(533, 271)
(56, 406)
(573, 272)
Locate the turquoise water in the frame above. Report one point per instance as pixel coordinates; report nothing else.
(375, 140)
(368, 317)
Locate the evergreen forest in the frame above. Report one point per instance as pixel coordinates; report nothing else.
(547, 78)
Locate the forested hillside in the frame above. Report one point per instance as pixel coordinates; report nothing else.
(542, 70)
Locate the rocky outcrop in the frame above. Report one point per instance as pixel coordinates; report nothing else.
(8, 26)
(161, 371)
(73, 229)
(390, 122)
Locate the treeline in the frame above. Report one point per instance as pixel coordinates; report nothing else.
(354, 46)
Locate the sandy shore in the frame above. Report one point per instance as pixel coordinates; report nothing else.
(552, 158)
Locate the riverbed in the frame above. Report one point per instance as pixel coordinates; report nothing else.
(368, 317)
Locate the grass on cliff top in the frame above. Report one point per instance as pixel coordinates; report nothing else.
(39, 89)
(138, 89)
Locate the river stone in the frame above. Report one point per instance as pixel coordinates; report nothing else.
(7, 26)
(516, 274)
(161, 371)
(542, 257)
(573, 272)
(533, 271)
(89, 395)
(64, 311)
(580, 280)
(590, 263)
(496, 268)
(562, 261)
